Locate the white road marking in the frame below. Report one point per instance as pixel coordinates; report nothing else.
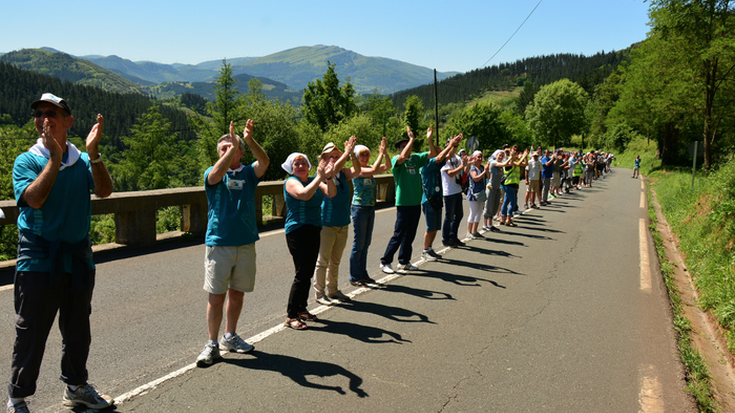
(645, 259)
(650, 397)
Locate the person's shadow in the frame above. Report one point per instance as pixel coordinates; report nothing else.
(297, 370)
(366, 334)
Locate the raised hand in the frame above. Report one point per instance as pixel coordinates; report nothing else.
(350, 144)
(247, 133)
(430, 132)
(384, 146)
(410, 134)
(94, 137)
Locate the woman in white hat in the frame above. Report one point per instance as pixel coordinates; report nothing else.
(303, 195)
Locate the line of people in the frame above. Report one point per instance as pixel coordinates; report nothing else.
(55, 271)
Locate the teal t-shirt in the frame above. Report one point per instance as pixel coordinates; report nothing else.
(408, 179)
(364, 191)
(302, 212)
(336, 210)
(65, 215)
(231, 215)
(431, 179)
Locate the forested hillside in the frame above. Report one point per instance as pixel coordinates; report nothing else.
(587, 71)
(65, 67)
(19, 88)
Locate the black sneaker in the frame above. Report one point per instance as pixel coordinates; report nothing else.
(458, 243)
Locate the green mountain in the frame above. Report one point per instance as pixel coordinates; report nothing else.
(66, 67)
(299, 66)
(271, 88)
(153, 72)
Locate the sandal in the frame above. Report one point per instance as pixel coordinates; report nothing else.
(295, 323)
(510, 224)
(307, 316)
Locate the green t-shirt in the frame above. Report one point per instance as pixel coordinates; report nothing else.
(408, 179)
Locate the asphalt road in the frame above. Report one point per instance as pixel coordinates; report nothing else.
(550, 316)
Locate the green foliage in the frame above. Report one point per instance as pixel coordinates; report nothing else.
(481, 121)
(168, 219)
(153, 159)
(380, 109)
(619, 136)
(414, 117)
(326, 103)
(587, 71)
(102, 229)
(13, 142)
(275, 128)
(557, 113)
(516, 129)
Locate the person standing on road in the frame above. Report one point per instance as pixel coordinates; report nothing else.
(54, 270)
(335, 224)
(637, 167)
(431, 200)
(513, 166)
(407, 175)
(532, 179)
(229, 261)
(452, 191)
(494, 193)
(363, 210)
(304, 195)
(476, 195)
(547, 171)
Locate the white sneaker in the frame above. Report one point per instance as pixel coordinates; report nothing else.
(428, 257)
(235, 344)
(471, 236)
(208, 355)
(404, 268)
(88, 396)
(386, 268)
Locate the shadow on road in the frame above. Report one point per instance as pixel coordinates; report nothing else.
(399, 314)
(417, 292)
(297, 370)
(366, 334)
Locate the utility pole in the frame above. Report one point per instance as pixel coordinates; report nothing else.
(436, 113)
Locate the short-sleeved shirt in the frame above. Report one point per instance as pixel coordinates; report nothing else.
(547, 171)
(231, 216)
(534, 170)
(364, 191)
(450, 184)
(65, 215)
(408, 179)
(302, 213)
(336, 210)
(431, 179)
(476, 186)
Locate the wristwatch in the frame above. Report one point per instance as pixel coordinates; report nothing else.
(98, 159)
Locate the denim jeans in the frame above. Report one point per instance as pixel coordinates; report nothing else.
(363, 220)
(407, 222)
(509, 204)
(453, 217)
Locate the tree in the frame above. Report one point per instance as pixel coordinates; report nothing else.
(380, 108)
(413, 116)
(481, 121)
(148, 163)
(218, 115)
(702, 34)
(326, 103)
(557, 113)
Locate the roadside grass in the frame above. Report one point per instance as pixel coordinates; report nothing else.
(697, 373)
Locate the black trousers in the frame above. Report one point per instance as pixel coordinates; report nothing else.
(36, 305)
(303, 243)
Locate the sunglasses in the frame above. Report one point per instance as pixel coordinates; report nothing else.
(48, 113)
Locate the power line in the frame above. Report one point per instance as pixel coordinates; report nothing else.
(511, 36)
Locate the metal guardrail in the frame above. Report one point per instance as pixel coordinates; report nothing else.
(135, 212)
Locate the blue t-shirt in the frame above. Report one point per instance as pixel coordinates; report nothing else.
(336, 210)
(364, 189)
(65, 215)
(302, 212)
(547, 171)
(231, 216)
(476, 187)
(431, 179)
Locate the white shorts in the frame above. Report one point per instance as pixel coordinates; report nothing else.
(229, 267)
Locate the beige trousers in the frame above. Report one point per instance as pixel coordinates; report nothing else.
(333, 242)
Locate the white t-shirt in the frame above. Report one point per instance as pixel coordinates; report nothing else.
(534, 170)
(450, 185)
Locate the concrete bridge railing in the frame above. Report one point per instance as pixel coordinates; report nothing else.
(135, 212)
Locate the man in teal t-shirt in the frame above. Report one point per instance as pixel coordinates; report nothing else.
(54, 271)
(229, 262)
(407, 175)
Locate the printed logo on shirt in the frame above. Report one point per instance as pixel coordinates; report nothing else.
(235, 184)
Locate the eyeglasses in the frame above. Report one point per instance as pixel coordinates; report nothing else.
(48, 113)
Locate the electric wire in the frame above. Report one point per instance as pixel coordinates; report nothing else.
(511, 36)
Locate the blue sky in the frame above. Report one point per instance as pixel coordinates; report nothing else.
(445, 35)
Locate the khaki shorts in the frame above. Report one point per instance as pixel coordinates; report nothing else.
(229, 267)
(533, 186)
